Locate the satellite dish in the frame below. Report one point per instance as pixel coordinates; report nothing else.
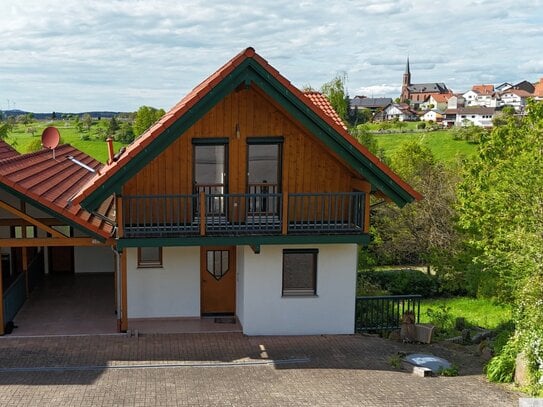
(50, 138)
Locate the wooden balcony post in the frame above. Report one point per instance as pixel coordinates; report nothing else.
(119, 218)
(202, 209)
(284, 214)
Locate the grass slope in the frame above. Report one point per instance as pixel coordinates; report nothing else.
(477, 311)
(440, 142)
(22, 140)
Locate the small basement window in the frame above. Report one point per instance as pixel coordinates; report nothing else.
(300, 272)
(149, 257)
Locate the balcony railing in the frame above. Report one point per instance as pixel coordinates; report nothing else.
(269, 213)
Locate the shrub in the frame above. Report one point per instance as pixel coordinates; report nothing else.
(501, 367)
(401, 282)
(441, 318)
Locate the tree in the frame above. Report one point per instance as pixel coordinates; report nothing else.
(86, 120)
(336, 94)
(500, 203)
(5, 127)
(146, 116)
(112, 127)
(367, 139)
(422, 232)
(126, 134)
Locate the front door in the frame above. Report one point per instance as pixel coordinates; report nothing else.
(218, 280)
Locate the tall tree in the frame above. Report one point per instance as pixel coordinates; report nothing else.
(146, 116)
(501, 214)
(337, 95)
(419, 232)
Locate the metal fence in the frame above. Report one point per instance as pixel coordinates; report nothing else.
(384, 313)
(14, 298)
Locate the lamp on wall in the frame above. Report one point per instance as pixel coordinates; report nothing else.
(237, 131)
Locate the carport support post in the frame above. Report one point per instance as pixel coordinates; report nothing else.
(25, 269)
(1, 301)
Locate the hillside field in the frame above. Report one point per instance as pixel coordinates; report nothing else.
(443, 146)
(440, 142)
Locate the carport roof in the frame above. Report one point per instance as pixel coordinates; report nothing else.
(48, 182)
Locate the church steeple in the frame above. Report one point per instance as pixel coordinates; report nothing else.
(406, 83)
(407, 74)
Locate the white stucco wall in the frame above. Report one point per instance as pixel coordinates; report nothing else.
(171, 291)
(265, 312)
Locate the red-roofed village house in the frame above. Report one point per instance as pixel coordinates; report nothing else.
(247, 199)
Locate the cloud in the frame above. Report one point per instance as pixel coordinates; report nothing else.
(63, 56)
(377, 91)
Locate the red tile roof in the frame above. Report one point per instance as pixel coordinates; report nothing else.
(6, 151)
(538, 92)
(483, 89)
(441, 98)
(324, 104)
(52, 182)
(203, 89)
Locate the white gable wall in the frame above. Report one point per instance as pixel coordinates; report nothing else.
(266, 312)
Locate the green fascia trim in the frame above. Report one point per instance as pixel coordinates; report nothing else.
(253, 241)
(251, 71)
(51, 212)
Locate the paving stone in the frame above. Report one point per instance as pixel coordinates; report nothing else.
(232, 370)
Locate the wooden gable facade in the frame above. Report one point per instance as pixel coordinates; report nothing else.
(319, 188)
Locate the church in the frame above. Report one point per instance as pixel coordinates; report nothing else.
(417, 93)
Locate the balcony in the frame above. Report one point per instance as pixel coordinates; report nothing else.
(252, 214)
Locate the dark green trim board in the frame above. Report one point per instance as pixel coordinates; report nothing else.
(250, 71)
(209, 141)
(253, 241)
(265, 140)
(51, 212)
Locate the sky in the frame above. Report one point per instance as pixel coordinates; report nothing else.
(117, 55)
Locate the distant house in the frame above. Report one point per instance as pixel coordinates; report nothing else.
(467, 116)
(482, 95)
(371, 104)
(433, 115)
(525, 86)
(399, 111)
(516, 98)
(417, 93)
(437, 101)
(538, 90)
(503, 86)
(456, 101)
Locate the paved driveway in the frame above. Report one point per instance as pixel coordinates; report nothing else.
(230, 370)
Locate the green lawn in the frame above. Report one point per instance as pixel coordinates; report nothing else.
(479, 312)
(69, 135)
(440, 142)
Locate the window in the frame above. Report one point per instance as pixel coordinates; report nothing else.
(149, 257)
(300, 272)
(217, 263)
(264, 174)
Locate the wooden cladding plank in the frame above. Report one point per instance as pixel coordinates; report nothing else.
(308, 166)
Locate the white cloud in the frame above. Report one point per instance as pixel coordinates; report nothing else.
(120, 54)
(379, 91)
